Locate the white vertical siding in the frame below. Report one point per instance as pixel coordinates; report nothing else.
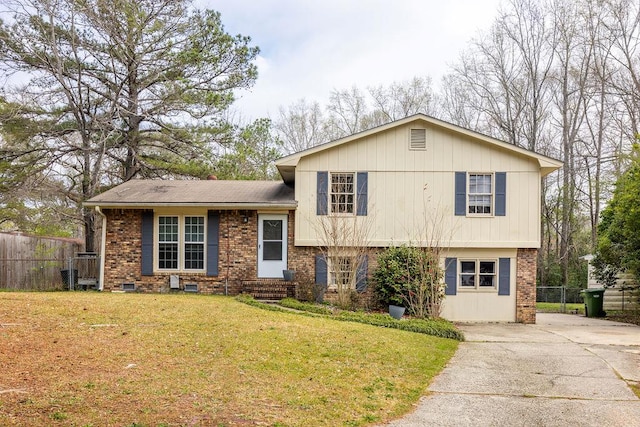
(405, 185)
(482, 305)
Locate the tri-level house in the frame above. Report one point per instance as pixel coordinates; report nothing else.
(415, 181)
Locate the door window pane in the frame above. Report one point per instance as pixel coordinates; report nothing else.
(272, 230)
(272, 251)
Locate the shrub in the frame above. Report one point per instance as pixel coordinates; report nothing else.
(411, 276)
(396, 267)
(436, 327)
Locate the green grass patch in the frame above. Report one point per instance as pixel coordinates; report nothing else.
(556, 307)
(85, 358)
(635, 387)
(436, 327)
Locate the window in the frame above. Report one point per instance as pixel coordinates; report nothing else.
(340, 271)
(342, 193)
(272, 239)
(480, 194)
(194, 242)
(181, 250)
(168, 242)
(478, 274)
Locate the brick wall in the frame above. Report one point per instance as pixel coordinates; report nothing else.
(526, 285)
(237, 260)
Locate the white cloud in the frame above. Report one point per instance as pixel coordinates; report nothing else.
(310, 47)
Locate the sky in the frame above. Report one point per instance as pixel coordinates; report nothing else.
(309, 48)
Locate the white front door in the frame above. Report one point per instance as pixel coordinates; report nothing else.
(272, 245)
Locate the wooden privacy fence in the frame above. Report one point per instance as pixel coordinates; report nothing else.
(34, 263)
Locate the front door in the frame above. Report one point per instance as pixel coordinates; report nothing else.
(272, 245)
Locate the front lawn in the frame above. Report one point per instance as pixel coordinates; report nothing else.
(93, 359)
(556, 307)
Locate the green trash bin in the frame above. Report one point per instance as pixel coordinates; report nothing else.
(593, 302)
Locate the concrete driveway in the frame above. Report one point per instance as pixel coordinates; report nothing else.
(565, 370)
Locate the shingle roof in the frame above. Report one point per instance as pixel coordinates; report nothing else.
(211, 193)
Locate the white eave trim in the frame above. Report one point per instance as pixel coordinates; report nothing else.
(221, 206)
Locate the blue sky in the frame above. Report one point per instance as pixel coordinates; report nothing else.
(309, 48)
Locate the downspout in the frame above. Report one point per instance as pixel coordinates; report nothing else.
(226, 280)
(103, 247)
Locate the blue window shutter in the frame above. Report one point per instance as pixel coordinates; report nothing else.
(362, 181)
(461, 193)
(213, 242)
(321, 270)
(501, 193)
(504, 276)
(321, 191)
(361, 275)
(146, 260)
(450, 275)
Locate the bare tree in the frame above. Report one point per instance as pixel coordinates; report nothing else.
(344, 243)
(401, 99)
(347, 109)
(301, 125)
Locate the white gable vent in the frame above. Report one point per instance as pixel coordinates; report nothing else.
(418, 139)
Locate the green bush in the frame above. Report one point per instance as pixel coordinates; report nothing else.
(436, 327)
(411, 276)
(305, 306)
(397, 266)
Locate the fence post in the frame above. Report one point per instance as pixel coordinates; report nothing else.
(71, 278)
(563, 299)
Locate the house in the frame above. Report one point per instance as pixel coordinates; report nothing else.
(408, 179)
(624, 294)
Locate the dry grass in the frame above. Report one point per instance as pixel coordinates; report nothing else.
(91, 359)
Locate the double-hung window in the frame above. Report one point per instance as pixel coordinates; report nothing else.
(181, 241)
(480, 193)
(194, 242)
(341, 271)
(478, 274)
(342, 193)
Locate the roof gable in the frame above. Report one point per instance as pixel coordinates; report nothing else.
(286, 165)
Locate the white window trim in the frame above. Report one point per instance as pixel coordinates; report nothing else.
(477, 287)
(330, 194)
(331, 282)
(492, 195)
(181, 244)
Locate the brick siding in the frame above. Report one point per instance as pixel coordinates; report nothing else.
(526, 285)
(237, 259)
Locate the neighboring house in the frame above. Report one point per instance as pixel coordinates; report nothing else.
(406, 179)
(623, 295)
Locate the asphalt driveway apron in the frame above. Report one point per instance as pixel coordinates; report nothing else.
(565, 370)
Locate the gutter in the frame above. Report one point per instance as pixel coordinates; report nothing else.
(103, 247)
(219, 206)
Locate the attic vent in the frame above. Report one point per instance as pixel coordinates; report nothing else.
(418, 140)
